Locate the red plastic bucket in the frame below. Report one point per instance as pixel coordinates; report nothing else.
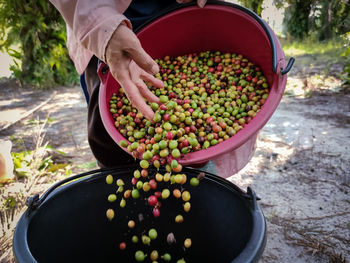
(219, 27)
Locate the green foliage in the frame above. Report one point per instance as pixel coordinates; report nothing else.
(33, 32)
(296, 18)
(26, 163)
(36, 162)
(330, 49)
(21, 162)
(254, 5)
(8, 203)
(322, 18)
(330, 18)
(346, 76)
(34, 122)
(324, 54)
(346, 70)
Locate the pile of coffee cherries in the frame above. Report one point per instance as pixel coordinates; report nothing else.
(207, 98)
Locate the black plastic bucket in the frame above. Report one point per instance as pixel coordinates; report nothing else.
(68, 223)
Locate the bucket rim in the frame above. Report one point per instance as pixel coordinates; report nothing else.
(213, 3)
(251, 253)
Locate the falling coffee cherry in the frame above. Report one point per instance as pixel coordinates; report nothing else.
(156, 212)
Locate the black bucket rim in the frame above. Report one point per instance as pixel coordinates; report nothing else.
(251, 253)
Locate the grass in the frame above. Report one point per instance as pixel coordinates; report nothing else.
(327, 56)
(310, 46)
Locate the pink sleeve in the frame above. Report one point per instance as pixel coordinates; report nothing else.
(92, 22)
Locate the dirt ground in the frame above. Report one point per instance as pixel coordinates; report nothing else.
(300, 170)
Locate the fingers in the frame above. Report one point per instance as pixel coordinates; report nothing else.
(128, 76)
(146, 93)
(201, 3)
(138, 75)
(125, 42)
(129, 64)
(152, 80)
(136, 99)
(144, 61)
(139, 55)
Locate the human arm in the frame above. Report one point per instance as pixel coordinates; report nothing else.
(92, 23)
(102, 29)
(130, 65)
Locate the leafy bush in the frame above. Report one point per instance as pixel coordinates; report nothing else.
(346, 70)
(324, 18)
(254, 5)
(34, 33)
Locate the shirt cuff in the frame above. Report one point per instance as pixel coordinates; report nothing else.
(97, 38)
(109, 34)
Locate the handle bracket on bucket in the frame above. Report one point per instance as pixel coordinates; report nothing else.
(288, 67)
(253, 198)
(102, 71)
(35, 201)
(32, 203)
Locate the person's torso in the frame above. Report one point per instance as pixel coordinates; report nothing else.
(141, 11)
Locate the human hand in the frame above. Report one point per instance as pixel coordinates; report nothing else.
(130, 65)
(200, 3)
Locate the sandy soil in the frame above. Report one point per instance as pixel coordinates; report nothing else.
(300, 170)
